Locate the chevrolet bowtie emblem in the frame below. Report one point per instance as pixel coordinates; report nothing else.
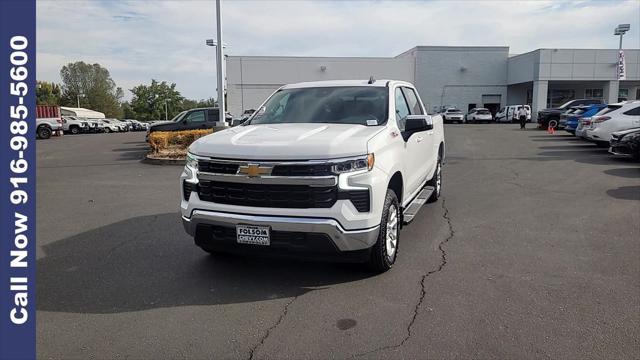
(253, 170)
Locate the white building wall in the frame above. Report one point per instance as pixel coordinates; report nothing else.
(251, 79)
(460, 75)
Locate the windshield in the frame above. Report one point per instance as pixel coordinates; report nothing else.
(453, 111)
(338, 105)
(178, 117)
(566, 104)
(608, 109)
(483, 112)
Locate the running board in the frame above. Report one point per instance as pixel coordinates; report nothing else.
(412, 209)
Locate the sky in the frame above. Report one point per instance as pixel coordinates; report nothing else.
(165, 40)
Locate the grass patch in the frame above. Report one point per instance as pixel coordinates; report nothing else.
(174, 144)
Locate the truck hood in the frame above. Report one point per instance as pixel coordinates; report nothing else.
(309, 141)
(159, 125)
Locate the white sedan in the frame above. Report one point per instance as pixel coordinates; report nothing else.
(479, 115)
(614, 117)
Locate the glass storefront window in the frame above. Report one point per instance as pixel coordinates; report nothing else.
(558, 97)
(623, 94)
(593, 93)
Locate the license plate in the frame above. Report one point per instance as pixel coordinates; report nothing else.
(252, 234)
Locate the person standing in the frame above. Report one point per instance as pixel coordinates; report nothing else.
(522, 115)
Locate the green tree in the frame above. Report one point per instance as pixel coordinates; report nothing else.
(93, 86)
(190, 104)
(48, 93)
(150, 102)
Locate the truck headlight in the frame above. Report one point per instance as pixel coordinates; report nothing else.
(360, 163)
(192, 162)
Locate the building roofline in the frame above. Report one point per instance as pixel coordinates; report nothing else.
(314, 57)
(447, 48)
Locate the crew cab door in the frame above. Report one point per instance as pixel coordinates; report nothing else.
(415, 157)
(427, 144)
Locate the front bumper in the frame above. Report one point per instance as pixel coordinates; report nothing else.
(344, 240)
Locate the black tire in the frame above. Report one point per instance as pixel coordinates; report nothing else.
(74, 130)
(107, 130)
(43, 132)
(436, 181)
(380, 260)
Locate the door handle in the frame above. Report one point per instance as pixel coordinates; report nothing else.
(419, 139)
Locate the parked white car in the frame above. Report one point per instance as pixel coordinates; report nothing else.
(583, 125)
(453, 115)
(348, 162)
(74, 125)
(110, 126)
(615, 117)
(509, 113)
(478, 115)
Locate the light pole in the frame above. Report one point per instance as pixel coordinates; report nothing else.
(166, 111)
(620, 30)
(78, 98)
(219, 64)
(220, 99)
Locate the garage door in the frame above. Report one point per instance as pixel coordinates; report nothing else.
(491, 99)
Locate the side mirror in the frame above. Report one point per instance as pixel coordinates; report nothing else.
(184, 122)
(417, 123)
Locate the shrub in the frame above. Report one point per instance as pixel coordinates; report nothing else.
(174, 144)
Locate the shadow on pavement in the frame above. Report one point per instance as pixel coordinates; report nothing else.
(631, 173)
(149, 262)
(133, 153)
(625, 193)
(593, 156)
(569, 147)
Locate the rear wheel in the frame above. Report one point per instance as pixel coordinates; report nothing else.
(385, 250)
(43, 132)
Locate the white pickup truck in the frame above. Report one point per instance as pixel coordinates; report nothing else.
(322, 169)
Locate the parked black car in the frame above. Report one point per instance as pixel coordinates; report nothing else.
(553, 114)
(194, 119)
(626, 143)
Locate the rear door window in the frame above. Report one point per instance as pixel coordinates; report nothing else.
(609, 109)
(195, 116)
(635, 111)
(213, 115)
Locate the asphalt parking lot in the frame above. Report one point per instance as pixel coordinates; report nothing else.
(532, 252)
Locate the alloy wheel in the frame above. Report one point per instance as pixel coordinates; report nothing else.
(392, 231)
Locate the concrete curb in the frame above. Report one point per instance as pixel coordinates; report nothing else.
(162, 161)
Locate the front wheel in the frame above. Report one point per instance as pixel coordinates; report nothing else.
(385, 250)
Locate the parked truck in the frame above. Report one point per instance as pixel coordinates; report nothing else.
(322, 169)
(48, 121)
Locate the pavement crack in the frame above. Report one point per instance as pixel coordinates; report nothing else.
(423, 292)
(285, 310)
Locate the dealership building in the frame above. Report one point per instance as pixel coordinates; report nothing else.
(460, 76)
